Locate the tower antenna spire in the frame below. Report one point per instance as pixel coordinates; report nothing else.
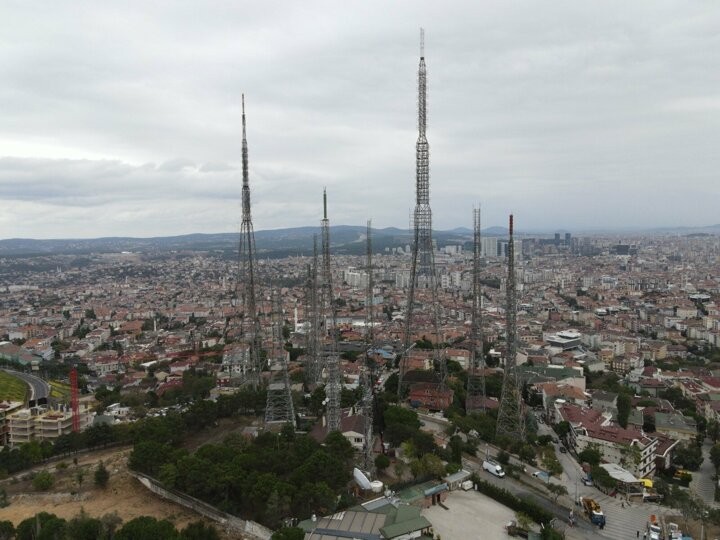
(422, 269)
(246, 364)
(510, 420)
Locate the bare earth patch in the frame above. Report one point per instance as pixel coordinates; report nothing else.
(124, 495)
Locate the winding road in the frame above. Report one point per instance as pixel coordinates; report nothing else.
(39, 389)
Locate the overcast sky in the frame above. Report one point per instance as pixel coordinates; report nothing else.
(123, 118)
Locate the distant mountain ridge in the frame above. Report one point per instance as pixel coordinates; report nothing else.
(276, 242)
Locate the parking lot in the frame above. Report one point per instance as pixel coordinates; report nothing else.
(470, 515)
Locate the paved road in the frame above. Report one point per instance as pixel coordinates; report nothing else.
(702, 483)
(623, 520)
(522, 490)
(38, 387)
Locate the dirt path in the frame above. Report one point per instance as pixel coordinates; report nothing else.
(123, 495)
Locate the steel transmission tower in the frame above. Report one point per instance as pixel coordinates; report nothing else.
(330, 355)
(368, 398)
(314, 364)
(510, 420)
(245, 284)
(279, 407)
(475, 400)
(422, 270)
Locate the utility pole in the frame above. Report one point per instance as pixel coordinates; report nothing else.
(511, 422)
(422, 270)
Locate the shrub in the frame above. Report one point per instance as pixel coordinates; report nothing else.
(101, 475)
(503, 496)
(43, 481)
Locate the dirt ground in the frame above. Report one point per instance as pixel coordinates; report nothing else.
(123, 494)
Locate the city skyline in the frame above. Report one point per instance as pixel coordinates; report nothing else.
(126, 122)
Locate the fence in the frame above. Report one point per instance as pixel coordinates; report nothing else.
(227, 521)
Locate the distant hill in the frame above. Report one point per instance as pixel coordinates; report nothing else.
(348, 239)
(345, 239)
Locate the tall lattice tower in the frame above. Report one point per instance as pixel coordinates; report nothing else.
(314, 366)
(368, 397)
(330, 355)
(511, 420)
(475, 399)
(422, 270)
(246, 278)
(279, 406)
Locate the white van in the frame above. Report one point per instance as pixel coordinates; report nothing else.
(493, 467)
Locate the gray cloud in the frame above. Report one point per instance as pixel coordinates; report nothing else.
(570, 115)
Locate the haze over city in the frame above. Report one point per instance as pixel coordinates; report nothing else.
(125, 120)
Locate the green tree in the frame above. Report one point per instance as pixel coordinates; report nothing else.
(7, 530)
(83, 527)
(338, 445)
(556, 490)
(400, 415)
(688, 456)
(456, 445)
(288, 533)
(80, 478)
(591, 455)
(713, 430)
(43, 481)
(147, 528)
(602, 478)
(562, 429)
(551, 464)
(101, 475)
(715, 456)
(624, 403)
(382, 462)
(199, 531)
(42, 526)
(149, 456)
(523, 520)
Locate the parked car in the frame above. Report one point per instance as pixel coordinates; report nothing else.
(563, 450)
(587, 481)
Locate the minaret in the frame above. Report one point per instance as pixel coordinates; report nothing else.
(422, 270)
(245, 283)
(511, 422)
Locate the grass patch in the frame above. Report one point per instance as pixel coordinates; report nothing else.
(12, 388)
(59, 390)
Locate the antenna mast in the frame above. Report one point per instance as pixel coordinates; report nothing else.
(246, 276)
(475, 400)
(330, 356)
(510, 420)
(422, 270)
(279, 407)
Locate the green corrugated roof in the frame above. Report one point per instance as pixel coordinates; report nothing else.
(404, 527)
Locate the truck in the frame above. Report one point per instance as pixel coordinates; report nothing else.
(493, 467)
(654, 529)
(593, 511)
